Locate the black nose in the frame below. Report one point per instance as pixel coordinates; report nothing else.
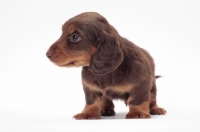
(50, 53)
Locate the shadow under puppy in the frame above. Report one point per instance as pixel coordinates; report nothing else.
(112, 67)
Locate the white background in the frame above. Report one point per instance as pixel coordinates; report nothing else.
(37, 96)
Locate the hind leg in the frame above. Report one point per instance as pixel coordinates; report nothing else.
(138, 101)
(154, 109)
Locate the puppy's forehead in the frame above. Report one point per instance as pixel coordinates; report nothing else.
(71, 25)
(71, 29)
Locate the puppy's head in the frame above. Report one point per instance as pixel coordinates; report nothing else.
(87, 40)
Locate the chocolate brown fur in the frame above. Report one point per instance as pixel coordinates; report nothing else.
(113, 67)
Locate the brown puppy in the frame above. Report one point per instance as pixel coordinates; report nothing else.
(113, 67)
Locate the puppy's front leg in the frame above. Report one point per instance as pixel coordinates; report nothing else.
(92, 107)
(107, 107)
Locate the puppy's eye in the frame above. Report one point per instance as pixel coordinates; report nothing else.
(75, 38)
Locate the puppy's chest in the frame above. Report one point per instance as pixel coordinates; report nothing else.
(118, 91)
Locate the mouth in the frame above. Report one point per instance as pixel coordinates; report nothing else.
(74, 64)
(70, 64)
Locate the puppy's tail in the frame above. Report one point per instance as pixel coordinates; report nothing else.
(158, 77)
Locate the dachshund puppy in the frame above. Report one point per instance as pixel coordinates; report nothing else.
(112, 67)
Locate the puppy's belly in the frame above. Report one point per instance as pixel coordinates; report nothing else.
(116, 95)
(119, 92)
(112, 92)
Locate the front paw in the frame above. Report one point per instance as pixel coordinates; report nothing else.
(86, 116)
(107, 112)
(137, 115)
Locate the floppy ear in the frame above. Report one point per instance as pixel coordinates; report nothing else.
(108, 55)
